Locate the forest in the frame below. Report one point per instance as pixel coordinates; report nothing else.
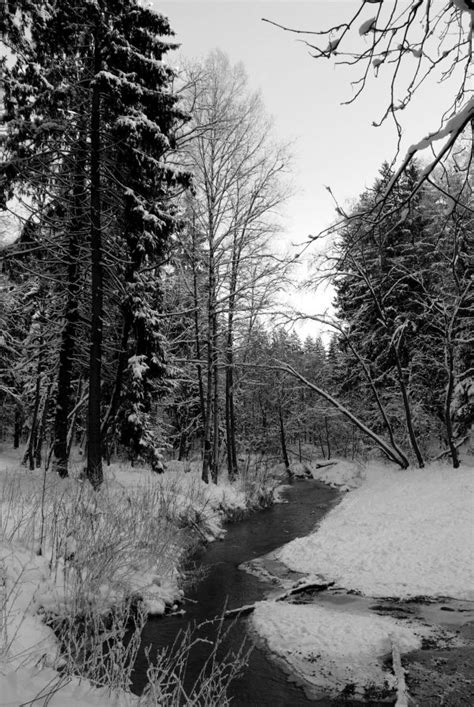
(141, 308)
(147, 316)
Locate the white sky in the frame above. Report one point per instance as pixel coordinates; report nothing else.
(335, 145)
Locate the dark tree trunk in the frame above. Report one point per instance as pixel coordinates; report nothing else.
(18, 425)
(197, 338)
(29, 455)
(232, 467)
(215, 407)
(72, 424)
(94, 446)
(408, 416)
(447, 404)
(323, 451)
(208, 461)
(229, 377)
(376, 395)
(328, 440)
(284, 449)
(121, 366)
(64, 397)
(33, 436)
(42, 427)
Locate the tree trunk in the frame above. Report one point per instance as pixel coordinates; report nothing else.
(73, 415)
(122, 361)
(376, 395)
(408, 417)
(229, 377)
(211, 371)
(215, 414)
(386, 448)
(328, 441)
(197, 338)
(42, 427)
(284, 449)
(94, 447)
(32, 437)
(68, 337)
(18, 425)
(447, 404)
(229, 404)
(29, 455)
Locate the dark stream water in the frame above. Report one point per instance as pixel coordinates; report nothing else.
(225, 586)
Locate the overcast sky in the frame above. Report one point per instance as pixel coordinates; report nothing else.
(335, 145)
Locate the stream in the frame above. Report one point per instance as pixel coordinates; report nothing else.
(225, 586)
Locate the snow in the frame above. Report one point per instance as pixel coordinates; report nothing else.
(453, 126)
(44, 686)
(367, 26)
(63, 577)
(339, 473)
(395, 534)
(402, 533)
(329, 646)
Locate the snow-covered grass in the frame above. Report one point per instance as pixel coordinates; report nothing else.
(399, 534)
(67, 552)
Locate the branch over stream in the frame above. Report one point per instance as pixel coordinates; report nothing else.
(294, 591)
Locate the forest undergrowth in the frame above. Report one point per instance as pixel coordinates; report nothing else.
(92, 565)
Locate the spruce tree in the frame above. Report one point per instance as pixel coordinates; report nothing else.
(91, 117)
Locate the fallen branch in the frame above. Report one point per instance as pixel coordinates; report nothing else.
(299, 589)
(390, 451)
(402, 692)
(448, 451)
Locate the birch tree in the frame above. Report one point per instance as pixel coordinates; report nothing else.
(237, 178)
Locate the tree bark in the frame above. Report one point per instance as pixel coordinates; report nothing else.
(207, 433)
(197, 338)
(122, 361)
(94, 446)
(64, 394)
(447, 404)
(232, 467)
(18, 425)
(408, 416)
(284, 449)
(32, 437)
(42, 427)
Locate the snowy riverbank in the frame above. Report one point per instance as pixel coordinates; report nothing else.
(66, 551)
(397, 534)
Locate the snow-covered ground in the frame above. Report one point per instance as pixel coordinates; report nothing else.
(397, 534)
(64, 548)
(401, 533)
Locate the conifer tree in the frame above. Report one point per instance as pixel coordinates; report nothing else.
(90, 117)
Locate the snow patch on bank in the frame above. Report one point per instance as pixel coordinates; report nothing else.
(402, 533)
(331, 648)
(339, 473)
(399, 534)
